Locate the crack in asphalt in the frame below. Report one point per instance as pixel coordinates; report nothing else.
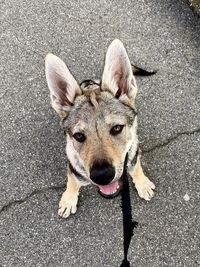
(170, 139)
(34, 192)
(58, 187)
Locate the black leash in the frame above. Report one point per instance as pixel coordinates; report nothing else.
(128, 223)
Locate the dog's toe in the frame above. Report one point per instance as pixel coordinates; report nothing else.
(61, 211)
(74, 209)
(66, 213)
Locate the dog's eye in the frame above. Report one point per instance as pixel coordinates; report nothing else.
(117, 129)
(79, 137)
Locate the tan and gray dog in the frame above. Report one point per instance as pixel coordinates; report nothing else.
(100, 122)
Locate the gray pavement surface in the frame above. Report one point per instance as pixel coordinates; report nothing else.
(163, 35)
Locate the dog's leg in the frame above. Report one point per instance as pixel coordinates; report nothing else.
(142, 183)
(69, 199)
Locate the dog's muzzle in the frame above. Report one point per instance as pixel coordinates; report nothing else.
(102, 174)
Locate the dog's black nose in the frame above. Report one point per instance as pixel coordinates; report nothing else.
(102, 173)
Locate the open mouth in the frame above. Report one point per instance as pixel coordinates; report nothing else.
(111, 190)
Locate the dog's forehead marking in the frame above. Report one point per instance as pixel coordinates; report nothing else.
(95, 109)
(80, 126)
(114, 118)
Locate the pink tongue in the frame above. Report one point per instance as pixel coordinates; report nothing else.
(109, 189)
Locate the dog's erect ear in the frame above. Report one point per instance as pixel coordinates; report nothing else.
(118, 75)
(62, 85)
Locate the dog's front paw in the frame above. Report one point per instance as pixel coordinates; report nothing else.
(67, 204)
(145, 188)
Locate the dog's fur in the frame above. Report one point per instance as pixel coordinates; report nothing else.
(89, 115)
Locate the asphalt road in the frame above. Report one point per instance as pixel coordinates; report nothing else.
(163, 35)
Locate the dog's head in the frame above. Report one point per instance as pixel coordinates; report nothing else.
(99, 120)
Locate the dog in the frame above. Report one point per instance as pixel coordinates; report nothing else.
(100, 123)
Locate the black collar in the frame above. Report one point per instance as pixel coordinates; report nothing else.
(79, 176)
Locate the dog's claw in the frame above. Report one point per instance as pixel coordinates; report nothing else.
(67, 205)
